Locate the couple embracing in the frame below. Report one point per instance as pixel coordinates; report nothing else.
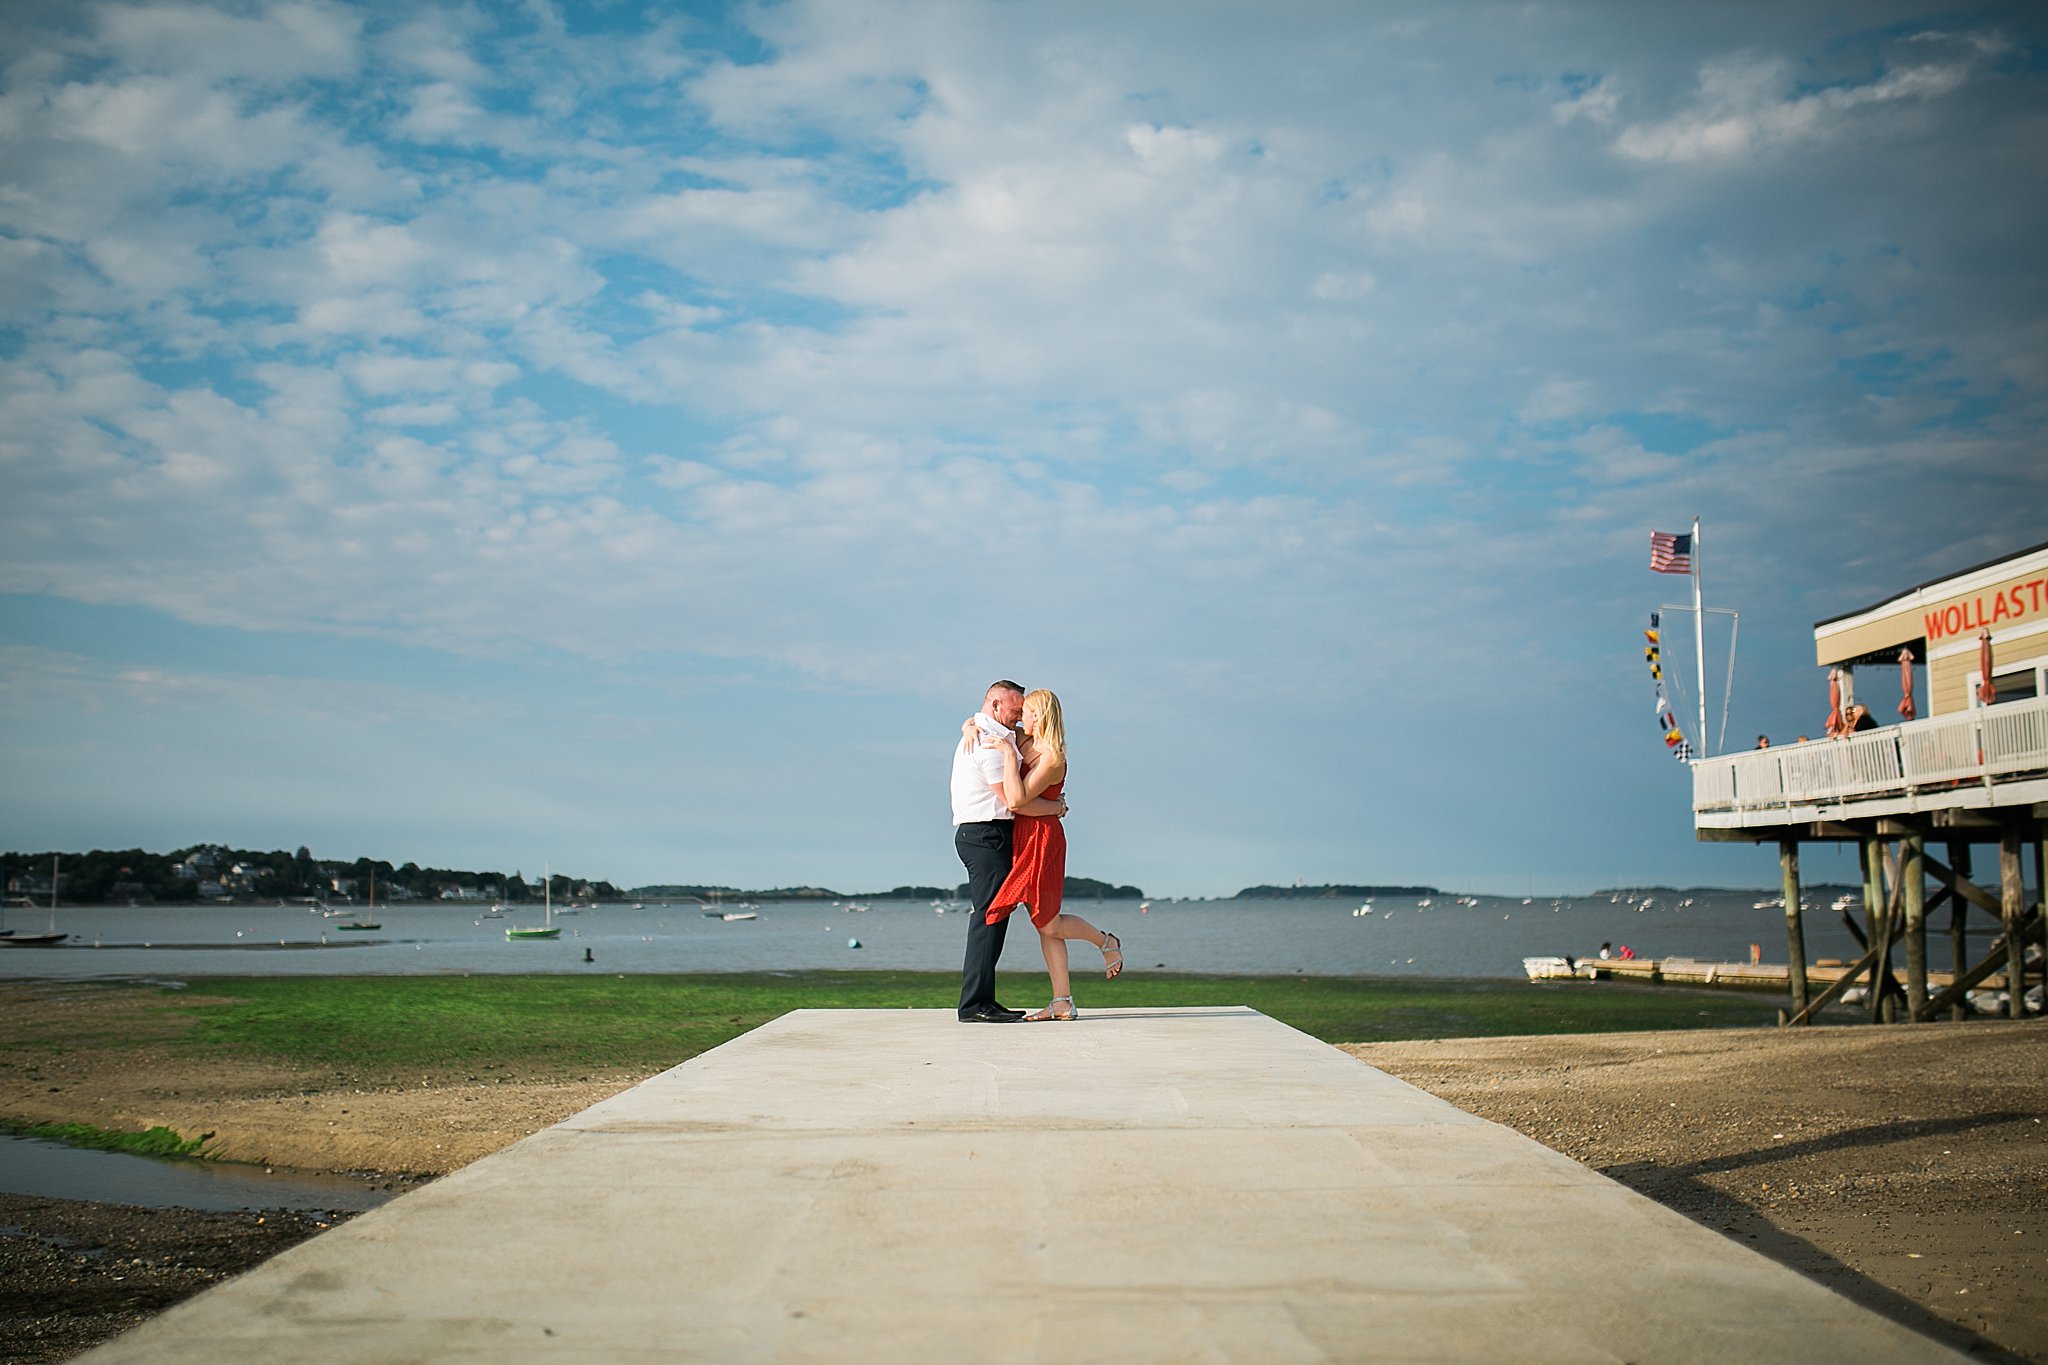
(1008, 772)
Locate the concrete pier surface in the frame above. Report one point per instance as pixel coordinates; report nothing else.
(1143, 1185)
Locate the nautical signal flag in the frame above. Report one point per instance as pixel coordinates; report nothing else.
(1670, 553)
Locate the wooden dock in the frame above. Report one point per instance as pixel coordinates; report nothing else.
(1689, 971)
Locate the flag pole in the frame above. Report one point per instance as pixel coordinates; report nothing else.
(1699, 639)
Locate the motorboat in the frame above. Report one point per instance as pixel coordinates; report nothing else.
(1559, 969)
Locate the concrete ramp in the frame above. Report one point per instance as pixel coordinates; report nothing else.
(1181, 1185)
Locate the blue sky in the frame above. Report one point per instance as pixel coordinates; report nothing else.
(630, 436)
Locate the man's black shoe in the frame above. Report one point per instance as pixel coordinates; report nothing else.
(990, 1014)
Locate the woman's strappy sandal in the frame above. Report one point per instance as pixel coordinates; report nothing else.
(1112, 944)
(1051, 1013)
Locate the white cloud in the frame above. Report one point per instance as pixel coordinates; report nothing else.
(279, 43)
(1749, 103)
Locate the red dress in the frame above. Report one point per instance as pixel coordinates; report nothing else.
(1038, 866)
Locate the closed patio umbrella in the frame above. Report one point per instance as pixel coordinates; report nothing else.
(1906, 708)
(1987, 691)
(1834, 722)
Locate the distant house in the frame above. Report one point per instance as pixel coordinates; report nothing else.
(342, 886)
(245, 876)
(29, 884)
(461, 893)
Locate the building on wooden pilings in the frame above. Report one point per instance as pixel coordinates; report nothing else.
(1928, 801)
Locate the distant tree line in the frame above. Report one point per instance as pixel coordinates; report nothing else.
(111, 876)
(1289, 893)
(1077, 888)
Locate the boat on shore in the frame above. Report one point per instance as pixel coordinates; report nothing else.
(1559, 969)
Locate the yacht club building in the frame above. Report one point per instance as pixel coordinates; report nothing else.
(1922, 797)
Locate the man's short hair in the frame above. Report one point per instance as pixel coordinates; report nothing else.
(1018, 688)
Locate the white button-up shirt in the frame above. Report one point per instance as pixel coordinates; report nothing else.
(976, 771)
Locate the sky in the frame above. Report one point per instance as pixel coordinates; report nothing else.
(631, 436)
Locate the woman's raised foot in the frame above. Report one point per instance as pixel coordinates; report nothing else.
(1112, 955)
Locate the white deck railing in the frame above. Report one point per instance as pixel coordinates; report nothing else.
(1970, 747)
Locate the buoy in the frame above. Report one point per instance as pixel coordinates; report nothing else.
(853, 943)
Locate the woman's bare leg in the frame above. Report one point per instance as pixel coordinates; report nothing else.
(1073, 926)
(1064, 927)
(1055, 949)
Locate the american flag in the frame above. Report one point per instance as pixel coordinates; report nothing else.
(1670, 553)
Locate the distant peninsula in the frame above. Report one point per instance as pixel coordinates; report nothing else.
(1317, 893)
(1077, 888)
(219, 874)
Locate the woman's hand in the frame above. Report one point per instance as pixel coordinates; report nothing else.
(969, 728)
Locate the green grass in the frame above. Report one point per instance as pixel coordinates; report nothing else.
(157, 1141)
(528, 1027)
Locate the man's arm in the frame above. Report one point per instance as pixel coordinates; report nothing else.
(1037, 805)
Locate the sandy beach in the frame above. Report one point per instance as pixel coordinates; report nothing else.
(1905, 1167)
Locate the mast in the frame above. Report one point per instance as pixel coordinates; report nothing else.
(1699, 640)
(53, 892)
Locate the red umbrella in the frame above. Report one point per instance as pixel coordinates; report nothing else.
(1906, 708)
(1834, 722)
(1986, 691)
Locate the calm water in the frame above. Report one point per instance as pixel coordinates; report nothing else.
(52, 1171)
(1398, 937)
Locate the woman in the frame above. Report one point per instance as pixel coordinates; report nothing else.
(1038, 869)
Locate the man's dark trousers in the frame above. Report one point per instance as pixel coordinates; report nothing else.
(984, 849)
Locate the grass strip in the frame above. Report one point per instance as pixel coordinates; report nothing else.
(157, 1141)
(535, 1027)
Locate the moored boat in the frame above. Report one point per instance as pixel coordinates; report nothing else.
(547, 928)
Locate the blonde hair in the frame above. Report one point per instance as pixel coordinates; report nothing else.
(1051, 738)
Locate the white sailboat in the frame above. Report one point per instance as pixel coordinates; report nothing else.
(11, 939)
(548, 928)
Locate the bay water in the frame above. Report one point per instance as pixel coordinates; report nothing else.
(1484, 936)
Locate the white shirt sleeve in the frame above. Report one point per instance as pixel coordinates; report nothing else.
(989, 763)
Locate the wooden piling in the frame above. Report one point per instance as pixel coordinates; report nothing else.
(1958, 932)
(2013, 903)
(1878, 924)
(1913, 881)
(1795, 929)
(2041, 890)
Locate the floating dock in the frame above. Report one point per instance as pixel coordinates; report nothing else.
(1775, 977)
(1143, 1185)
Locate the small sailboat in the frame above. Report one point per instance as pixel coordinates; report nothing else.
(11, 939)
(369, 919)
(548, 928)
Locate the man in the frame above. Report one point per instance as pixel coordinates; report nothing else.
(982, 828)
